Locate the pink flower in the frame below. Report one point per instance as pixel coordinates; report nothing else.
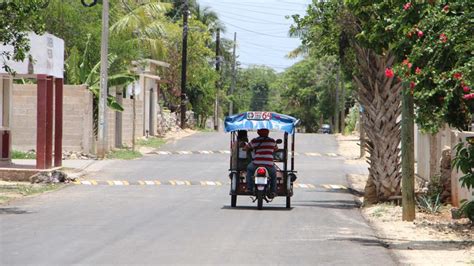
(389, 73)
(407, 63)
(465, 88)
(419, 33)
(457, 75)
(412, 85)
(418, 71)
(406, 6)
(443, 38)
(469, 96)
(446, 8)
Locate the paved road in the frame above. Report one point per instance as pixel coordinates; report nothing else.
(193, 224)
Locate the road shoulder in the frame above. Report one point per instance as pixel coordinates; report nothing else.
(429, 240)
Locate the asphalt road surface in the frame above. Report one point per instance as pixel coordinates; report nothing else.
(133, 214)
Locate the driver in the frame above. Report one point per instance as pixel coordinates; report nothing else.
(263, 148)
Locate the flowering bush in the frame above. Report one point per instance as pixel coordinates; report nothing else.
(443, 60)
(433, 42)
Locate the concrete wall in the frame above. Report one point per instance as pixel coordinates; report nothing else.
(77, 118)
(428, 154)
(428, 151)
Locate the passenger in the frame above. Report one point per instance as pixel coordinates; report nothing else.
(263, 148)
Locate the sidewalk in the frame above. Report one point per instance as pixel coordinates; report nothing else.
(73, 168)
(429, 240)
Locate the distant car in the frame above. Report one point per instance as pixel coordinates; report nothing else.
(325, 129)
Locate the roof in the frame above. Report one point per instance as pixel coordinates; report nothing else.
(254, 120)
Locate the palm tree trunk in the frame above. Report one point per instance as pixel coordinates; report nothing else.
(381, 97)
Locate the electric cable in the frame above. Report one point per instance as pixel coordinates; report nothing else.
(255, 20)
(246, 5)
(260, 33)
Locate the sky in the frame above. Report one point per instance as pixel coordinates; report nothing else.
(262, 29)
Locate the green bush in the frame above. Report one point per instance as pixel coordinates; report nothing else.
(351, 120)
(429, 204)
(124, 154)
(464, 161)
(151, 142)
(23, 155)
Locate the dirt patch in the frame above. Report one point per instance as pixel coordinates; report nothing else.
(179, 134)
(432, 239)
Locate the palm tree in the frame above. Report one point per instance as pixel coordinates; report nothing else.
(380, 97)
(208, 18)
(145, 24)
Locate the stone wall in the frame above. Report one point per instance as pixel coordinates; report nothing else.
(77, 118)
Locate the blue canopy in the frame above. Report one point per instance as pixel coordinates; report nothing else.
(258, 120)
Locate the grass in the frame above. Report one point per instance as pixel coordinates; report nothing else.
(124, 154)
(17, 190)
(381, 209)
(23, 155)
(151, 142)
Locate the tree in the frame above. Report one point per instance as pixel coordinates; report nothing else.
(307, 90)
(19, 18)
(329, 28)
(432, 43)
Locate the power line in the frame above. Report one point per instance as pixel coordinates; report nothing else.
(261, 33)
(254, 11)
(281, 2)
(271, 46)
(253, 19)
(264, 47)
(246, 5)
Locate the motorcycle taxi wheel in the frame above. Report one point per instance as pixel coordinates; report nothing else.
(233, 201)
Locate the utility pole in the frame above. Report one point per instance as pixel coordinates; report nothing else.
(336, 108)
(343, 101)
(134, 123)
(184, 61)
(408, 156)
(218, 67)
(102, 145)
(234, 74)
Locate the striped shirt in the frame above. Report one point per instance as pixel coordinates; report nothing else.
(263, 148)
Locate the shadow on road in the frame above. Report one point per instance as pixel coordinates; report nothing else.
(329, 204)
(254, 208)
(403, 244)
(13, 211)
(371, 242)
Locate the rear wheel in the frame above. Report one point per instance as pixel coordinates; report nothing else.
(288, 202)
(233, 201)
(260, 202)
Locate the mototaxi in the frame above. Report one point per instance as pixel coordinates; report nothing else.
(284, 158)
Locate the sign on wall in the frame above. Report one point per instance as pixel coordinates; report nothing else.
(46, 57)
